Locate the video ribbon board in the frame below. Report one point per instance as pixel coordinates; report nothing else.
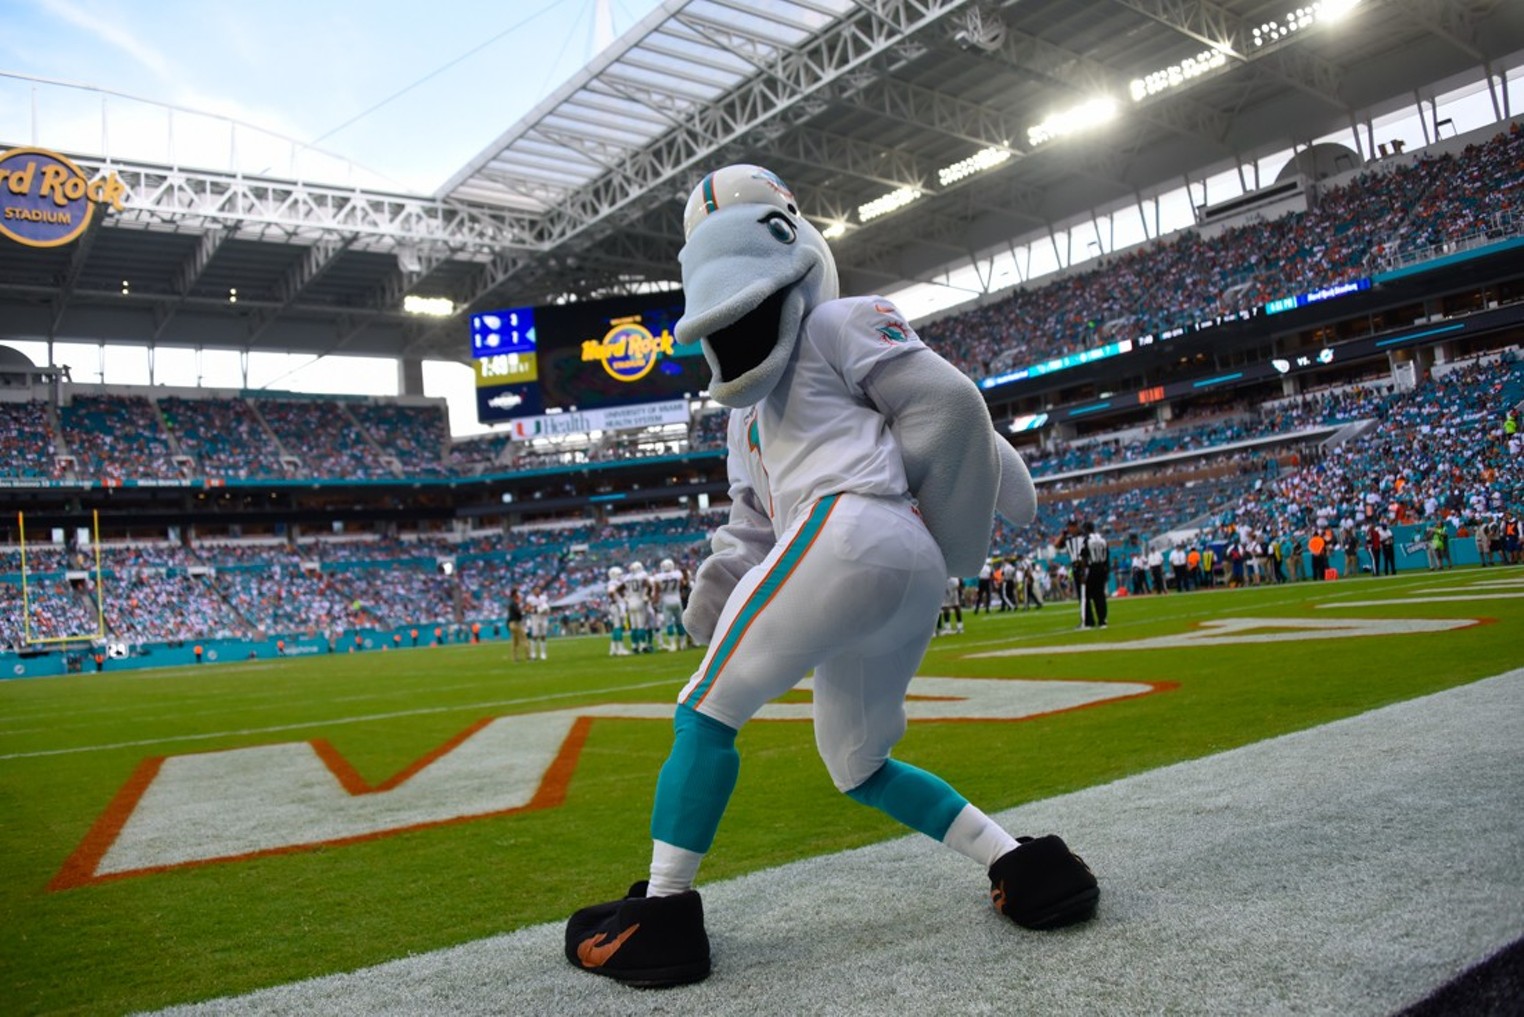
(584, 356)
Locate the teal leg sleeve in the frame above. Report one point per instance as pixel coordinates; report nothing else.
(922, 801)
(696, 781)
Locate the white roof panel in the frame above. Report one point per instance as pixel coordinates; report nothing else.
(683, 56)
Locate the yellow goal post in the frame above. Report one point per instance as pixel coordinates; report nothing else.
(26, 595)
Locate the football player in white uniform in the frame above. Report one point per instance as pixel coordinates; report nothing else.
(537, 612)
(864, 470)
(952, 606)
(637, 607)
(669, 594)
(616, 609)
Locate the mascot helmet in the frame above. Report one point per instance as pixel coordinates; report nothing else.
(736, 185)
(753, 268)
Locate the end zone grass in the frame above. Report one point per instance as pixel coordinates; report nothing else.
(67, 745)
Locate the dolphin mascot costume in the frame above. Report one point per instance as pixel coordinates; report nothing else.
(864, 470)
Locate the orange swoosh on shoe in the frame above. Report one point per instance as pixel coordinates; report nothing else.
(593, 952)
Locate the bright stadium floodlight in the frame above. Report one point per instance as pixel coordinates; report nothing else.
(888, 203)
(1176, 75)
(985, 158)
(836, 229)
(433, 307)
(1082, 117)
(1334, 10)
(1288, 24)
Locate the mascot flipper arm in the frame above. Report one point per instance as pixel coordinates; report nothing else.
(950, 451)
(1017, 500)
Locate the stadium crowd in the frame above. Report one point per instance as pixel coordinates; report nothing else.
(1445, 456)
(1355, 229)
(165, 591)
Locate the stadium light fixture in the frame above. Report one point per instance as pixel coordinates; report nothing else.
(985, 158)
(1078, 118)
(1288, 24)
(1334, 10)
(1176, 75)
(888, 203)
(433, 307)
(836, 229)
(233, 294)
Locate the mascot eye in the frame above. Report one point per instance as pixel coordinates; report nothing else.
(780, 226)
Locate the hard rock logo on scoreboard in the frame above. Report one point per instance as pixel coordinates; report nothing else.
(628, 350)
(47, 201)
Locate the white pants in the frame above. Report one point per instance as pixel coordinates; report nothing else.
(851, 590)
(672, 613)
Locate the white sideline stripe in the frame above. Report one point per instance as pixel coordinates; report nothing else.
(493, 704)
(1460, 597)
(1344, 870)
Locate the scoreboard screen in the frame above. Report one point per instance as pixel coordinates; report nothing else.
(584, 356)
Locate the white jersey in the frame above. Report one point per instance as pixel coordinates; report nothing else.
(537, 609)
(617, 612)
(669, 587)
(951, 596)
(817, 433)
(637, 593)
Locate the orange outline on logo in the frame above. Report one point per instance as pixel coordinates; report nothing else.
(79, 869)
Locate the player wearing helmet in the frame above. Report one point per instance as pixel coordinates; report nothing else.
(669, 595)
(537, 614)
(616, 610)
(637, 607)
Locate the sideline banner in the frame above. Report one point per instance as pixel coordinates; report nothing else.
(618, 418)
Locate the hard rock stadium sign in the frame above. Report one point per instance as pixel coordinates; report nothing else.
(47, 201)
(629, 350)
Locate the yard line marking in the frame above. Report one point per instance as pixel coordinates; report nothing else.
(1462, 597)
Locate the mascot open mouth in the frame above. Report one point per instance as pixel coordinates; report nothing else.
(741, 346)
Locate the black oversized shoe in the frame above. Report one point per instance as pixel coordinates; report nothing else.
(650, 942)
(1041, 884)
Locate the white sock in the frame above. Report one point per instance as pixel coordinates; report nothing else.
(673, 869)
(977, 836)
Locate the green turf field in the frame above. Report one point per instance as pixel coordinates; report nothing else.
(73, 769)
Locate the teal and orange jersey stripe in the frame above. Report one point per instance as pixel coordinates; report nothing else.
(782, 569)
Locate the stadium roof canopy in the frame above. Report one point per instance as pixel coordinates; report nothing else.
(848, 100)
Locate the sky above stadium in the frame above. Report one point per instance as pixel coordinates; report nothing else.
(408, 91)
(397, 95)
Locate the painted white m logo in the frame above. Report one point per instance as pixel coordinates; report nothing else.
(245, 803)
